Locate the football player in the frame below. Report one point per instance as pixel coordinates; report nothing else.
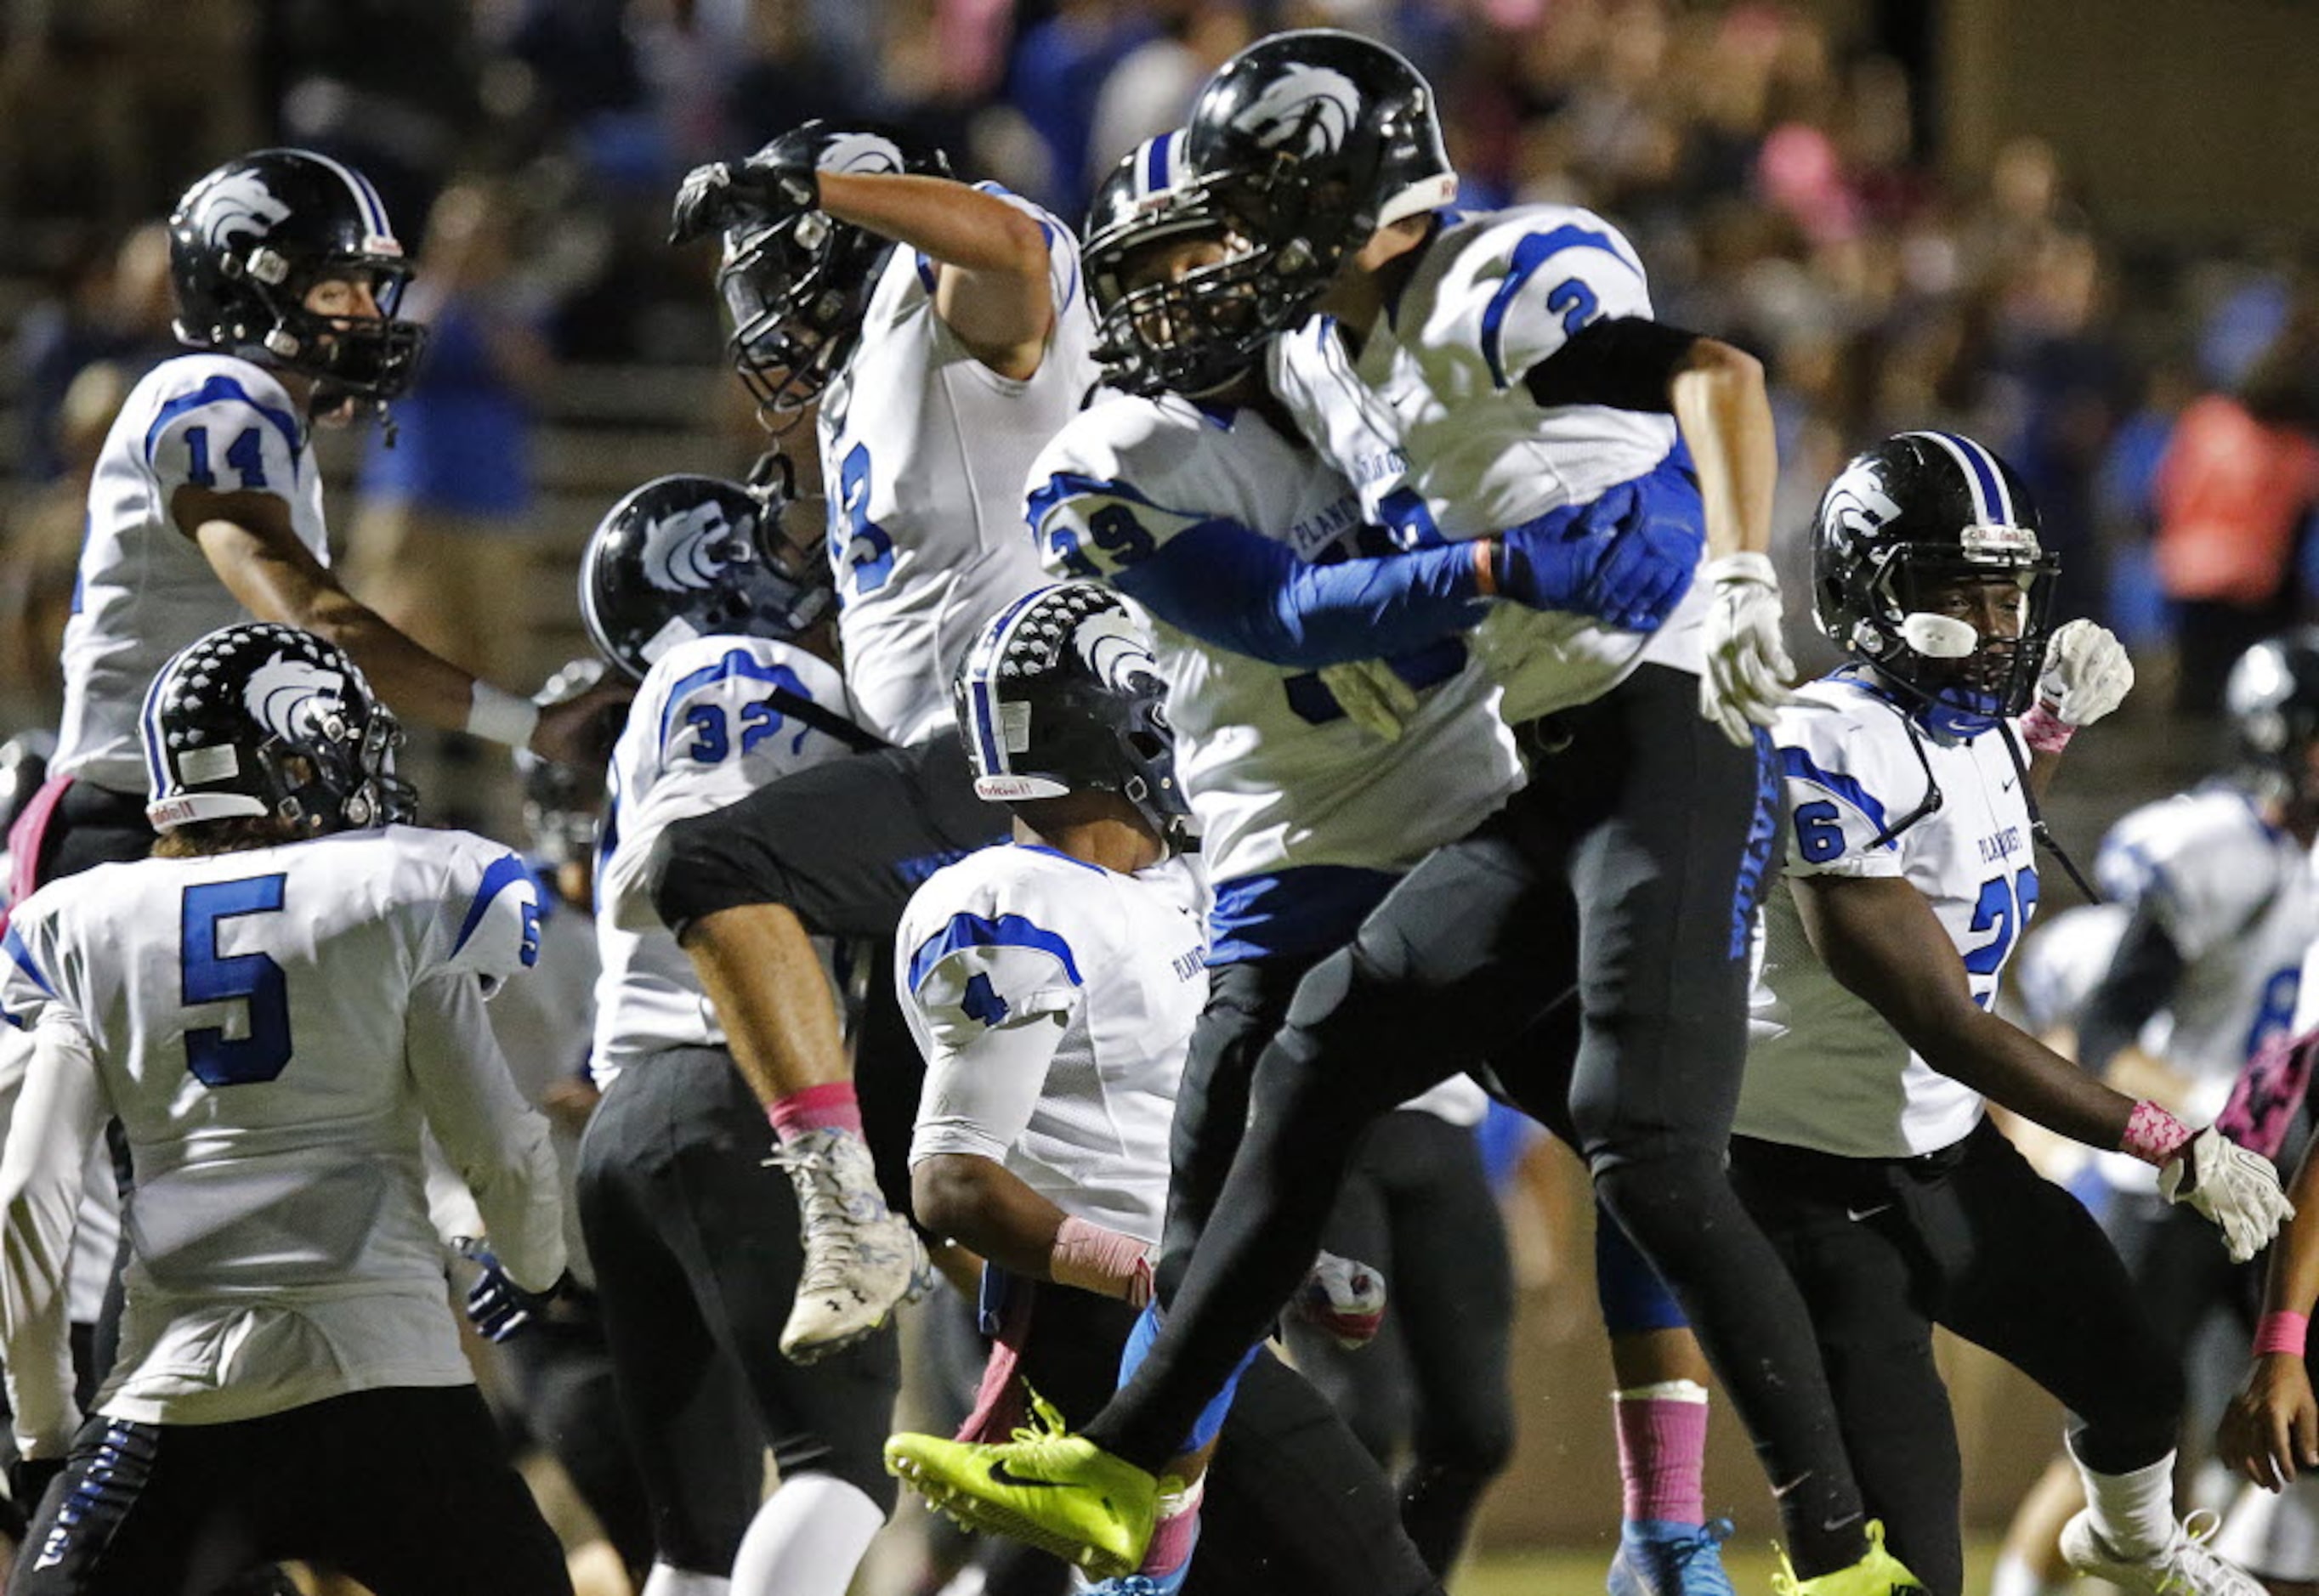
(1502, 369)
(1315, 791)
(273, 1006)
(206, 507)
(689, 588)
(1862, 1142)
(1053, 986)
(2221, 903)
(938, 335)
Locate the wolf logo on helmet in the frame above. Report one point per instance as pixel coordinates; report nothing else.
(1306, 110)
(239, 205)
(1858, 503)
(294, 698)
(689, 548)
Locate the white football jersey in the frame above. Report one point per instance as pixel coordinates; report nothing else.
(545, 1025)
(145, 590)
(1278, 776)
(251, 1014)
(700, 733)
(923, 452)
(1024, 935)
(1443, 422)
(1824, 1069)
(2064, 960)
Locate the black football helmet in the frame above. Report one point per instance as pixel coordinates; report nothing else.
(798, 287)
(1311, 141)
(263, 719)
(247, 241)
(1905, 523)
(2272, 698)
(1060, 694)
(1191, 335)
(695, 556)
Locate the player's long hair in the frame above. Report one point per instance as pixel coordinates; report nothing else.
(234, 834)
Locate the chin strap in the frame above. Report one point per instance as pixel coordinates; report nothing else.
(2038, 831)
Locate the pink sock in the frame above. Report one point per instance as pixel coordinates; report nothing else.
(830, 1107)
(1663, 1452)
(1175, 1532)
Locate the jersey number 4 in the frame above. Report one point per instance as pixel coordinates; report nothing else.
(207, 977)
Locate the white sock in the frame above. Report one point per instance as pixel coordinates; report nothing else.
(2015, 1576)
(666, 1581)
(2133, 1513)
(808, 1539)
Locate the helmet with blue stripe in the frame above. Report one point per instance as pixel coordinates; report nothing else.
(1184, 325)
(250, 239)
(1926, 567)
(260, 719)
(1060, 694)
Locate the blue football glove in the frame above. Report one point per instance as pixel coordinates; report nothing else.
(1547, 563)
(1646, 571)
(499, 1308)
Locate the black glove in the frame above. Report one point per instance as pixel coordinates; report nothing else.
(722, 194)
(499, 1308)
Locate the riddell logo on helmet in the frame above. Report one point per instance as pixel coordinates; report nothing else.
(1307, 111)
(240, 203)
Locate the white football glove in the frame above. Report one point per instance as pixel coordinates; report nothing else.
(2087, 673)
(2235, 1188)
(1747, 665)
(1368, 691)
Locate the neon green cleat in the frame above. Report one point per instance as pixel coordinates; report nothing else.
(1879, 1574)
(1058, 1492)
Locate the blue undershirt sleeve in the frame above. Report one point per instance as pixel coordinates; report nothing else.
(1237, 589)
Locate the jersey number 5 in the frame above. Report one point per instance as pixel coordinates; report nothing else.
(253, 978)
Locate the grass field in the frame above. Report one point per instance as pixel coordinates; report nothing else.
(1580, 1573)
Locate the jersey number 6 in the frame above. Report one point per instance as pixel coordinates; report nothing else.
(205, 977)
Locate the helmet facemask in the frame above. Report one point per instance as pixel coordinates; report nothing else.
(1961, 628)
(797, 291)
(1192, 332)
(371, 359)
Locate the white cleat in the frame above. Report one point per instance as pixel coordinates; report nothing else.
(2186, 1568)
(860, 1258)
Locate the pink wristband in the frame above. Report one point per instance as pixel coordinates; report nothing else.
(2153, 1135)
(1093, 1258)
(2045, 731)
(2281, 1332)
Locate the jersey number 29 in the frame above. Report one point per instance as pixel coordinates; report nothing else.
(207, 977)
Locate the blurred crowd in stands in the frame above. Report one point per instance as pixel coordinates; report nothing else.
(1779, 164)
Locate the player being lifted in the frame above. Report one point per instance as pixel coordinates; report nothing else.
(941, 334)
(273, 1005)
(1505, 367)
(1309, 813)
(1053, 986)
(690, 588)
(207, 507)
(1862, 1144)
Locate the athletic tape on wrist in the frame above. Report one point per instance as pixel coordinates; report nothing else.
(2153, 1135)
(498, 716)
(1093, 1258)
(2044, 730)
(2281, 1332)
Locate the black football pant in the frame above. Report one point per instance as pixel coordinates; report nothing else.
(1418, 1207)
(404, 1488)
(1627, 869)
(1972, 1238)
(696, 1246)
